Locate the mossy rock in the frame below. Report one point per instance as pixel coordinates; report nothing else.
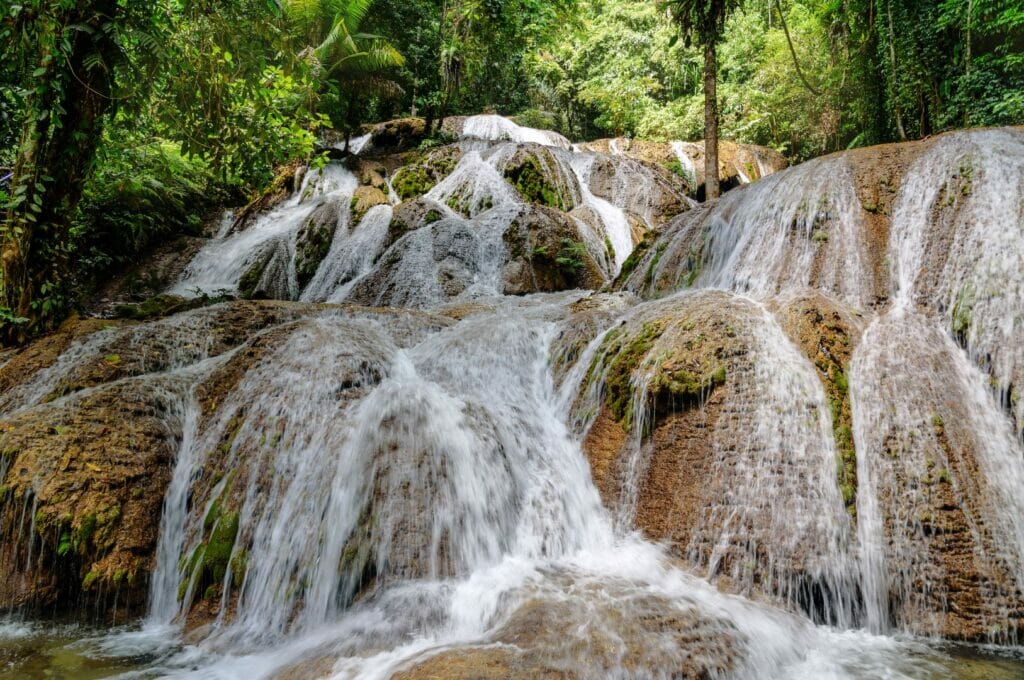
(412, 215)
(545, 254)
(363, 199)
(160, 306)
(312, 244)
(527, 174)
(418, 178)
(691, 361)
(413, 181)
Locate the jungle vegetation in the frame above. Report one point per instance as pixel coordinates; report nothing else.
(124, 122)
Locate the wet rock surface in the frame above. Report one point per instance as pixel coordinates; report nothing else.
(803, 392)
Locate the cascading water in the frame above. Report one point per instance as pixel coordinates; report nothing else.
(789, 232)
(616, 225)
(462, 237)
(940, 456)
(684, 152)
(497, 128)
(221, 265)
(443, 454)
(361, 492)
(351, 256)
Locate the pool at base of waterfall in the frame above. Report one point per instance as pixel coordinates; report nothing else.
(30, 651)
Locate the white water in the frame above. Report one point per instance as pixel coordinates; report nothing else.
(219, 267)
(352, 255)
(409, 485)
(496, 128)
(482, 503)
(685, 160)
(616, 225)
(922, 406)
(790, 232)
(478, 205)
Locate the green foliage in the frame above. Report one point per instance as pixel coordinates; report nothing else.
(700, 21)
(140, 192)
(570, 256)
(351, 66)
(232, 97)
(616, 69)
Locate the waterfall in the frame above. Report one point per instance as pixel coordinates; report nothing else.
(495, 513)
(778, 436)
(497, 128)
(926, 416)
(221, 265)
(351, 255)
(795, 230)
(616, 226)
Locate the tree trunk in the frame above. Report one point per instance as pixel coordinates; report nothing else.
(428, 126)
(897, 109)
(711, 190)
(64, 118)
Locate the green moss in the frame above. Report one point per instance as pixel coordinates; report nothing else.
(672, 388)
(649, 276)
(842, 422)
(64, 543)
(239, 565)
(676, 168)
(212, 515)
(433, 216)
(89, 579)
(634, 258)
(849, 493)
(413, 181)
(161, 306)
(84, 532)
(570, 257)
(217, 555)
(841, 383)
(353, 207)
(443, 162)
(627, 351)
(682, 386)
(530, 180)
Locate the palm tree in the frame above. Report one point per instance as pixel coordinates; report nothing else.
(352, 65)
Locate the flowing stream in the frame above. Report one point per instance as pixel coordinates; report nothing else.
(411, 485)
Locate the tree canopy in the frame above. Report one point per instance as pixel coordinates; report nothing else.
(125, 121)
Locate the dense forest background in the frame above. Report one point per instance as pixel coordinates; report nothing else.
(123, 121)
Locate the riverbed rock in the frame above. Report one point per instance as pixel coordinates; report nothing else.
(738, 163)
(546, 254)
(603, 629)
(82, 490)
